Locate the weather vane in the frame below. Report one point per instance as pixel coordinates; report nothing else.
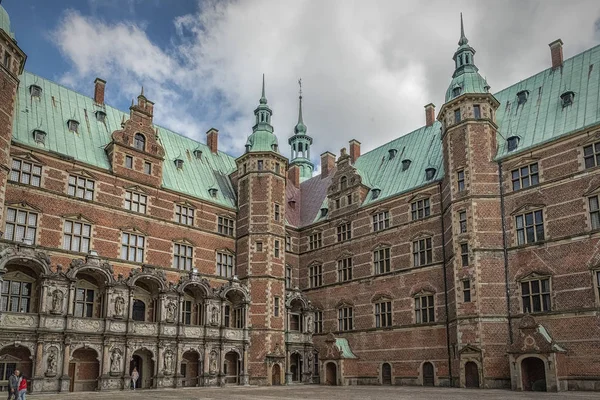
(300, 84)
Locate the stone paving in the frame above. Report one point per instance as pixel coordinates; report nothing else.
(318, 392)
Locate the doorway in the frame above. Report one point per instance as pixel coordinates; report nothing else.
(533, 374)
(386, 374)
(276, 375)
(331, 374)
(142, 360)
(428, 374)
(190, 369)
(84, 371)
(296, 367)
(471, 375)
(231, 367)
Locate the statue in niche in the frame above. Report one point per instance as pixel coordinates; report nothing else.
(115, 362)
(309, 324)
(57, 301)
(119, 306)
(171, 308)
(51, 362)
(213, 363)
(168, 363)
(214, 317)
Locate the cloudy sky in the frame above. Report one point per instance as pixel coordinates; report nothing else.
(367, 68)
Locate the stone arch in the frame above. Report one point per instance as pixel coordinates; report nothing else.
(150, 273)
(297, 296)
(386, 373)
(331, 370)
(91, 264)
(203, 284)
(427, 373)
(86, 346)
(232, 287)
(16, 356)
(529, 383)
(28, 256)
(84, 370)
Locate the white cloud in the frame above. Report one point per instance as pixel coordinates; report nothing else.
(367, 67)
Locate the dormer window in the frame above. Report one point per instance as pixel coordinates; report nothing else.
(100, 116)
(375, 193)
(512, 143)
(198, 154)
(213, 192)
(392, 153)
(522, 96)
(35, 91)
(456, 91)
(73, 125)
(274, 147)
(405, 164)
(429, 173)
(324, 212)
(179, 163)
(567, 98)
(39, 136)
(139, 142)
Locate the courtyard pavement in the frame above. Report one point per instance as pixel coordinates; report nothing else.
(317, 392)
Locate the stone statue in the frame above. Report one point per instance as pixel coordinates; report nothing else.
(119, 306)
(213, 363)
(115, 362)
(51, 362)
(57, 301)
(214, 317)
(168, 362)
(171, 308)
(309, 324)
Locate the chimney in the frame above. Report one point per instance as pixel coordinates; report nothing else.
(556, 53)
(429, 114)
(327, 163)
(354, 150)
(212, 139)
(99, 85)
(294, 175)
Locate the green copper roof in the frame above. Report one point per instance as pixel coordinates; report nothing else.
(5, 22)
(260, 141)
(58, 104)
(262, 137)
(344, 348)
(469, 82)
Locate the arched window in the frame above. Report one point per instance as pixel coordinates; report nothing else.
(139, 142)
(343, 183)
(139, 310)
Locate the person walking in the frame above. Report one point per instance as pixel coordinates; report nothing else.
(135, 375)
(13, 385)
(22, 388)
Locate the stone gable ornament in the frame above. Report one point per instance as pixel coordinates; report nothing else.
(57, 301)
(119, 306)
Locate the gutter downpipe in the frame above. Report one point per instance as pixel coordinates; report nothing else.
(445, 287)
(505, 252)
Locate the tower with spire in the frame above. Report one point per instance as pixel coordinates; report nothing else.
(262, 137)
(300, 144)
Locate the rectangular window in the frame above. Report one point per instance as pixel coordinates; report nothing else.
(344, 269)
(76, 236)
(422, 252)
(288, 243)
(7, 59)
(381, 221)
(420, 209)
(295, 324)
(183, 256)
(21, 225)
(288, 277)
(381, 261)
(315, 241)
(225, 265)
(456, 116)
(147, 168)
(598, 283)
(276, 249)
(476, 111)
(464, 254)
(344, 232)
(238, 317)
(466, 288)
(26, 172)
(383, 314)
(315, 274)
(128, 162)
(135, 202)
(276, 212)
(227, 316)
(16, 296)
(276, 307)
(349, 199)
(345, 319)
(591, 155)
(277, 168)
(184, 215)
(259, 247)
(225, 226)
(82, 188)
(337, 204)
(186, 313)
(594, 212)
(318, 321)
(525, 176)
(84, 303)
(530, 227)
(536, 295)
(460, 179)
(132, 247)
(259, 165)
(462, 221)
(424, 310)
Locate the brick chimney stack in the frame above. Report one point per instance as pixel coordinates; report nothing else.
(99, 85)
(294, 175)
(212, 140)
(327, 163)
(429, 114)
(354, 150)
(556, 53)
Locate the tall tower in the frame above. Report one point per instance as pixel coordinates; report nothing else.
(261, 243)
(475, 253)
(300, 143)
(12, 60)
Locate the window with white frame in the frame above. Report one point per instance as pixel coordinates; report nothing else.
(21, 225)
(525, 176)
(597, 276)
(424, 309)
(315, 275)
(315, 241)
(594, 211)
(225, 264)
(225, 226)
(382, 261)
(288, 243)
(591, 155)
(344, 269)
(535, 294)
(184, 214)
(183, 256)
(383, 314)
(76, 236)
(344, 232)
(345, 318)
(420, 209)
(80, 187)
(276, 249)
(318, 322)
(26, 172)
(276, 307)
(466, 289)
(288, 277)
(135, 202)
(381, 221)
(464, 254)
(276, 212)
(462, 221)
(16, 296)
(530, 227)
(422, 252)
(460, 180)
(132, 247)
(84, 302)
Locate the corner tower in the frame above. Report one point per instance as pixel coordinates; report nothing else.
(12, 63)
(300, 143)
(474, 255)
(260, 258)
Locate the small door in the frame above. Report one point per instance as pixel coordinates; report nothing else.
(276, 375)
(386, 374)
(471, 375)
(428, 376)
(72, 377)
(331, 373)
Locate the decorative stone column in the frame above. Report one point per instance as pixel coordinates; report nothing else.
(65, 379)
(245, 380)
(128, 357)
(44, 296)
(71, 299)
(288, 372)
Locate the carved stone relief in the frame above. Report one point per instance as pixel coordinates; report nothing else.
(52, 361)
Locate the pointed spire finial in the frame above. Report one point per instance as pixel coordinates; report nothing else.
(300, 127)
(463, 38)
(141, 94)
(263, 99)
